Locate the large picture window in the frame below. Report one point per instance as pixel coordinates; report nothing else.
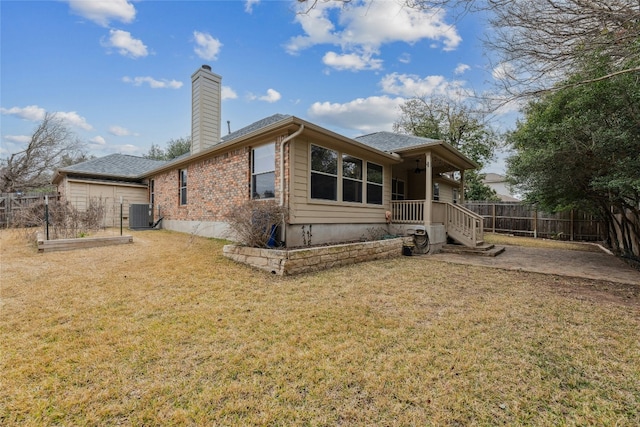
(183, 186)
(374, 184)
(324, 173)
(263, 172)
(351, 179)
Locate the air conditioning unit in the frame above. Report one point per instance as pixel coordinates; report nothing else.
(140, 216)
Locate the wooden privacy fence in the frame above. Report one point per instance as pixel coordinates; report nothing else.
(525, 220)
(12, 203)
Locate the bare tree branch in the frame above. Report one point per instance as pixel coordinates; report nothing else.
(51, 143)
(537, 43)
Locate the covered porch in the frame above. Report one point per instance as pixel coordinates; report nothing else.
(428, 191)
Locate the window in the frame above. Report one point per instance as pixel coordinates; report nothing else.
(436, 191)
(152, 193)
(324, 173)
(183, 186)
(351, 179)
(397, 189)
(374, 183)
(263, 172)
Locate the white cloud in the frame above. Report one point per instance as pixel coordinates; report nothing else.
(351, 61)
(405, 58)
(364, 26)
(97, 141)
(248, 5)
(125, 44)
(317, 27)
(206, 46)
(35, 113)
(102, 12)
(228, 93)
(411, 85)
(461, 68)
(503, 71)
(271, 96)
(153, 83)
(376, 113)
(30, 112)
(119, 131)
(74, 119)
(18, 139)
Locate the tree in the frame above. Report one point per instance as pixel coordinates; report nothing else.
(537, 43)
(542, 42)
(51, 144)
(456, 123)
(175, 148)
(580, 148)
(155, 153)
(69, 159)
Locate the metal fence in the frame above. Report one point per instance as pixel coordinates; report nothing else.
(525, 220)
(12, 203)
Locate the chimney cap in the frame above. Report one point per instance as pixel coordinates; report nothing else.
(207, 67)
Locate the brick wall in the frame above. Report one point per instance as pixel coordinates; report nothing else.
(214, 186)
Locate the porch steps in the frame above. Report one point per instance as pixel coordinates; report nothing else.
(480, 250)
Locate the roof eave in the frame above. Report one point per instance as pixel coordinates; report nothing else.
(466, 162)
(283, 124)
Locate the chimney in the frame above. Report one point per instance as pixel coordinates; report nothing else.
(205, 109)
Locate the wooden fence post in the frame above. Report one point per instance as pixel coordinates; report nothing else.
(493, 228)
(535, 222)
(571, 238)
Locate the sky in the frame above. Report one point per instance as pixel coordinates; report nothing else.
(118, 72)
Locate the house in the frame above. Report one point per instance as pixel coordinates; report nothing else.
(335, 188)
(111, 179)
(499, 184)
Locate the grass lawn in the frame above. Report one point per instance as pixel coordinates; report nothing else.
(506, 239)
(168, 332)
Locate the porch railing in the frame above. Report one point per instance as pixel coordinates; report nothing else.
(461, 223)
(407, 211)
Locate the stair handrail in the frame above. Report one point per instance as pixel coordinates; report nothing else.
(471, 224)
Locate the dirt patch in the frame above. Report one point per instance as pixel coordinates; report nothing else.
(597, 291)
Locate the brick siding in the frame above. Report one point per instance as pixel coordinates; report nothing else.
(214, 186)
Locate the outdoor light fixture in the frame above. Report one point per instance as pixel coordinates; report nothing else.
(418, 169)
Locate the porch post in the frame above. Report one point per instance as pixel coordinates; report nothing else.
(462, 187)
(429, 189)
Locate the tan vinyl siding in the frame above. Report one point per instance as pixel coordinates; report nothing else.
(80, 192)
(304, 210)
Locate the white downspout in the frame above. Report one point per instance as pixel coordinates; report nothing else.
(282, 144)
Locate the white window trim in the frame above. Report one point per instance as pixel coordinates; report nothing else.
(339, 177)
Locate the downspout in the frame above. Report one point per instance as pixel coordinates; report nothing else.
(282, 144)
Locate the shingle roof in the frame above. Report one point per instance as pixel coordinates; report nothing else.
(117, 165)
(255, 126)
(391, 142)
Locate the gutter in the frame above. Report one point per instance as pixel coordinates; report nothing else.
(282, 145)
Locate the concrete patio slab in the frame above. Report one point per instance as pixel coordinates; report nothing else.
(588, 265)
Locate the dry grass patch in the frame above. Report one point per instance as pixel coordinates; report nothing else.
(506, 239)
(168, 332)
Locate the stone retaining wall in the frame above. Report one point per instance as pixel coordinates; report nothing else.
(295, 261)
